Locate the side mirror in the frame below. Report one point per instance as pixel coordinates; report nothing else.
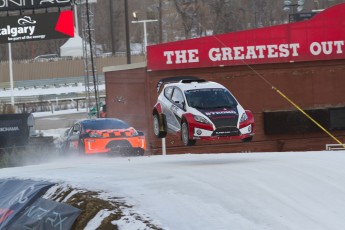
(180, 104)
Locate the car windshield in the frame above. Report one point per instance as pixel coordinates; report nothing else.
(210, 98)
(103, 124)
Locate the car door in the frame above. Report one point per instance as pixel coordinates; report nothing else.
(73, 137)
(177, 108)
(166, 104)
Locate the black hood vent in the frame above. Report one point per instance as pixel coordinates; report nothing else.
(222, 117)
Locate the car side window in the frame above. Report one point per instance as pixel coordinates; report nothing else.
(76, 129)
(177, 98)
(168, 91)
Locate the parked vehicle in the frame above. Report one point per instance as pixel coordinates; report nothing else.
(47, 57)
(197, 109)
(103, 135)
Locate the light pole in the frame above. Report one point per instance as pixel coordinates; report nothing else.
(288, 5)
(144, 23)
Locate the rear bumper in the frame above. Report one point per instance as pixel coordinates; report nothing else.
(99, 145)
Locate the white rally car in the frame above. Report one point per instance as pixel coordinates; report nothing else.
(198, 109)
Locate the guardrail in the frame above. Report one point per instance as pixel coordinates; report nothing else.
(53, 82)
(335, 147)
(48, 98)
(44, 103)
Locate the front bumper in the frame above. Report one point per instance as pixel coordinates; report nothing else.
(223, 133)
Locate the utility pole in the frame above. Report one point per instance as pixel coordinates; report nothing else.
(160, 22)
(145, 30)
(128, 45)
(89, 47)
(111, 16)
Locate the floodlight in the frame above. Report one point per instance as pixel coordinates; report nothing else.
(287, 3)
(135, 16)
(300, 2)
(286, 8)
(299, 8)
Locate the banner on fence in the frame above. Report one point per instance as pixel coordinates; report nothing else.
(35, 27)
(46, 214)
(9, 5)
(16, 195)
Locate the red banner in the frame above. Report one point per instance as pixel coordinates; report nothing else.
(320, 38)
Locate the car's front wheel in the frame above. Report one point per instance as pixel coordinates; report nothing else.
(185, 135)
(158, 127)
(247, 139)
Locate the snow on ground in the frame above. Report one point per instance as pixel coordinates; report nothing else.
(58, 112)
(241, 191)
(290, 190)
(46, 91)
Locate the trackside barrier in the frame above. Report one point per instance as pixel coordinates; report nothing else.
(335, 147)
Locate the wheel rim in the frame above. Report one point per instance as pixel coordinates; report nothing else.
(184, 133)
(155, 125)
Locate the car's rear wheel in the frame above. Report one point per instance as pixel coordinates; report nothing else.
(158, 126)
(138, 152)
(185, 135)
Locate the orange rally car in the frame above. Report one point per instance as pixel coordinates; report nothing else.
(103, 135)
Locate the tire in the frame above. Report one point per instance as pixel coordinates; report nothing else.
(248, 139)
(138, 152)
(158, 127)
(185, 135)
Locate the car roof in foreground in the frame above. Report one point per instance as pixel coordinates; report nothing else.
(196, 85)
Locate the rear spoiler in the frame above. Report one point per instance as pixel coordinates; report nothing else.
(183, 79)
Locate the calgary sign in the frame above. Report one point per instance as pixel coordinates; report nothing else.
(37, 27)
(320, 38)
(9, 5)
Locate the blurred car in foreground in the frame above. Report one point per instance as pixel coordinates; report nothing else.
(197, 109)
(103, 135)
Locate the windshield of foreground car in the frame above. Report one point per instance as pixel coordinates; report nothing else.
(210, 98)
(105, 124)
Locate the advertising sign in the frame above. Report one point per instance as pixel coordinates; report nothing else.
(33, 27)
(14, 130)
(8, 5)
(16, 195)
(320, 38)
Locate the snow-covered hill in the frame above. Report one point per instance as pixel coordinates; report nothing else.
(243, 191)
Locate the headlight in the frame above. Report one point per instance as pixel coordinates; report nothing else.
(244, 117)
(200, 119)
